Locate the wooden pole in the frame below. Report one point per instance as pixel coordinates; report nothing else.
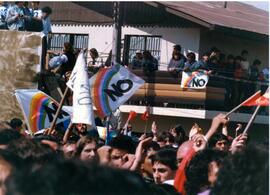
(58, 110)
(251, 119)
(67, 133)
(234, 109)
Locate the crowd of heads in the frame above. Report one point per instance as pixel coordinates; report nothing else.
(161, 162)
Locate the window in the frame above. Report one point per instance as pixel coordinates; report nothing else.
(78, 41)
(143, 43)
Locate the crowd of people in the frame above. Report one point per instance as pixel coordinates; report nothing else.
(173, 161)
(170, 162)
(21, 16)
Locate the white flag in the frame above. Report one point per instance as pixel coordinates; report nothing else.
(82, 103)
(195, 80)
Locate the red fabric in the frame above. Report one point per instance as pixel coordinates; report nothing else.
(145, 116)
(180, 177)
(132, 115)
(258, 100)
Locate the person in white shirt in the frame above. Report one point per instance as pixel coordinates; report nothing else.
(244, 61)
(15, 17)
(36, 12)
(95, 63)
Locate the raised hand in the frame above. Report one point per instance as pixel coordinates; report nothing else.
(139, 153)
(239, 143)
(199, 142)
(129, 160)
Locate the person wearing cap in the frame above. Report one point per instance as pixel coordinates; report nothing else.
(137, 60)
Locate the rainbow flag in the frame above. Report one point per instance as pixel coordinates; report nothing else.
(39, 109)
(112, 87)
(195, 80)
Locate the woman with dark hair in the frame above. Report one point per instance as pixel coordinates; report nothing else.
(202, 171)
(191, 64)
(179, 135)
(149, 63)
(94, 64)
(177, 61)
(86, 148)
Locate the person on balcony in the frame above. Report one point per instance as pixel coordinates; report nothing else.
(149, 63)
(94, 64)
(177, 61)
(254, 74)
(47, 29)
(191, 64)
(27, 16)
(244, 62)
(214, 65)
(228, 72)
(3, 14)
(203, 62)
(68, 65)
(238, 84)
(215, 52)
(36, 12)
(136, 62)
(35, 23)
(178, 49)
(15, 17)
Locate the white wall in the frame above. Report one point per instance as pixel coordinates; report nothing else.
(101, 37)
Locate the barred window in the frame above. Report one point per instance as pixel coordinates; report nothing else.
(132, 43)
(78, 41)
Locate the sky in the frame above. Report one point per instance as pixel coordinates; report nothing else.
(259, 4)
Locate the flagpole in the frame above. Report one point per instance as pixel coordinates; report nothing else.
(67, 133)
(58, 111)
(24, 115)
(107, 129)
(252, 119)
(234, 109)
(145, 127)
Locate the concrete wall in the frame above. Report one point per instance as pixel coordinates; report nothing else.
(101, 38)
(234, 45)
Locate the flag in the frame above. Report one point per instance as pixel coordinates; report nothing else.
(194, 80)
(82, 103)
(180, 176)
(39, 109)
(258, 99)
(112, 87)
(145, 116)
(132, 115)
(104, 135)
